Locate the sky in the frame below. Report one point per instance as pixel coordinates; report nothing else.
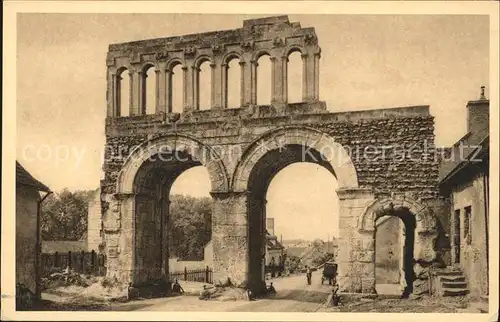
(367, 62)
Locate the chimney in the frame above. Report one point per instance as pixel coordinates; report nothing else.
(478, 114)
(482, 97)
(270, 226)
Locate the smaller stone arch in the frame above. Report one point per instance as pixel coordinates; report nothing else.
(230, 56)
(200, 60)
(147, 65)
(309, 138)
(147, 150)
(174, 62)
(425, 218)
(425, 230)
(294, 48)
(260, 53)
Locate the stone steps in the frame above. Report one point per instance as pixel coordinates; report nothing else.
(447, 285)
(452, 278)
(454, 291)
(452, 282)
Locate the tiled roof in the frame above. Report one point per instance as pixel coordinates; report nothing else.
(469, 144)
(23, 177)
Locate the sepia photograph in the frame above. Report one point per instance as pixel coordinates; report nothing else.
(278, 162)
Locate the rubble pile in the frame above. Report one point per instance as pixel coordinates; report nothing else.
(67, 277)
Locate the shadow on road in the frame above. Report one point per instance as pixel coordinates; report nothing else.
(309, 296)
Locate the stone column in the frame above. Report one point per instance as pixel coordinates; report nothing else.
(224, 85)
(135, 93)
(317, 56)
(160, 91)
(356, 248)
(246, 83)
(168, 90)
(284, 82)
(142, 91)
(274, 97)
(165, 211)
(305, 82)
(230, 237)
(188, 88)
(112, 94)
(253, 81)
(118, 226)
(196, 88)
(217, 85)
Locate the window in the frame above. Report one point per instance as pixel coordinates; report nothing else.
(467, 226)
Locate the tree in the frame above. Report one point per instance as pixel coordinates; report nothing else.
(64, 215)
(190, 226)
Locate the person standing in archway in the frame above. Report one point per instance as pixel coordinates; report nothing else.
(308, 275)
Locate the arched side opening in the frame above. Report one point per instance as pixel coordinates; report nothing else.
(264, 83)
(233, 83)
(394, 252)
(175, 96)
(295, 79)
(417, 240)
(149, 96)
(122, 91)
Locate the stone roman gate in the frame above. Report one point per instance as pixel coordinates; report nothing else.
(380, 158)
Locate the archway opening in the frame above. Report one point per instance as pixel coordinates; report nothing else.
(168, 207)
(264, 80)
(149, 90)
(233, 84)
(176, 90)
(190, 220)
(268, 199)
(204, 86)
(123, 93)
(394, 252)
(294, 77)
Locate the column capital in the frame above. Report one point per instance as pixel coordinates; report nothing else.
(304, 56)
(185, 68)
(272, 59)
(241, 63)
(213, 65)
(227, 194)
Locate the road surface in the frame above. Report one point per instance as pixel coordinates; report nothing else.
(293, 295)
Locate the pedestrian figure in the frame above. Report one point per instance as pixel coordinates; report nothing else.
(336, 301)
(204, 294)
(271, 290)
(177, 288)
(308, 275)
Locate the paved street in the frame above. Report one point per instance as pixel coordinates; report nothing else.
(293, 295)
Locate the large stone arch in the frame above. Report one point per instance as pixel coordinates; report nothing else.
(201, 152)
(307, 137)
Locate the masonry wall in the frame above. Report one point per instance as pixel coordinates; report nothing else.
(388, 167)
(473, 255)
(26, 214)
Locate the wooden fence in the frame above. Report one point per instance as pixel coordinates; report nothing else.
(89, 263)
(203, 275)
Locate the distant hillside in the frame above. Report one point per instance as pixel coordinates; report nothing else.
(309, 251)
